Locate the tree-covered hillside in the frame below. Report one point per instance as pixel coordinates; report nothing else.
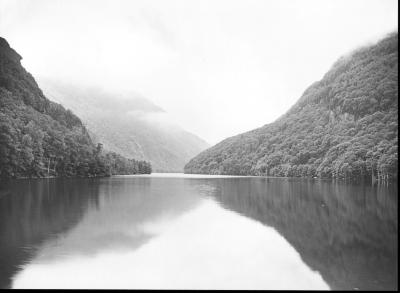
(343, 126)
(40, 138)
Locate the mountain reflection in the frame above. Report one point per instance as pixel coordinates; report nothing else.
(346, 232)
(197, 232)
(158, 233)
(117, 222)
(33, 211)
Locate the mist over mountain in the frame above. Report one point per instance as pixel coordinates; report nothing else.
(40, 138)
(129, 124)
(343, 126)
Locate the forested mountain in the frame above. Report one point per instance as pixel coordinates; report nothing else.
(128, 124)
(41, 138)
(343, 126)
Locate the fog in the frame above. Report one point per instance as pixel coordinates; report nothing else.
(218, 68)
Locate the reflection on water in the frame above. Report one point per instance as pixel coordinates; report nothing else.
(197, 232)
(33, 211)
(346, 232)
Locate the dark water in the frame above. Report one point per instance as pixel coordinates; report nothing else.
(198, 232)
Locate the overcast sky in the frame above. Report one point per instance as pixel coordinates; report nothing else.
(218, 68)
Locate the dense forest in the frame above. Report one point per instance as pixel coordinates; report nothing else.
(343, 126)
(41, 138)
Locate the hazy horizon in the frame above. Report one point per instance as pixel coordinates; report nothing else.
(217, 68)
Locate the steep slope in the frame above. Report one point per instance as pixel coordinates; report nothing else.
(343, 126)
(128, 124)
(41, 138)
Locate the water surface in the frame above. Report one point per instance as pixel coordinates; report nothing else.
(175, 231)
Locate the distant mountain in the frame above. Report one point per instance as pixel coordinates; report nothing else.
(343, 126)
(41, 138)
(128, 124)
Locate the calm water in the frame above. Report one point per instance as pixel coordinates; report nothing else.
(199, 232)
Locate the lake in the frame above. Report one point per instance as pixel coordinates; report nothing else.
(175, 231)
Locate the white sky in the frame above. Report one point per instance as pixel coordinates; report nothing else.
(218, 67)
